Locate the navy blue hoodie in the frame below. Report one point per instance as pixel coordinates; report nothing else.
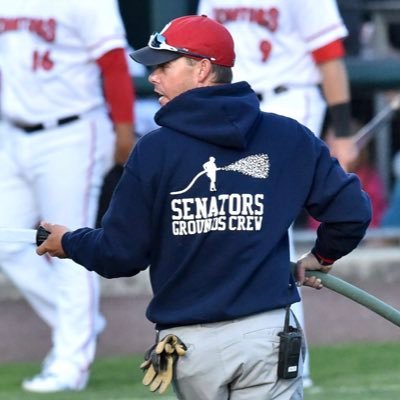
(206, 201)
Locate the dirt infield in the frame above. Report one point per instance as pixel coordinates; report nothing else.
(330, 318)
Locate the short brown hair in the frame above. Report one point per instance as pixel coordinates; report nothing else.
(221, 73)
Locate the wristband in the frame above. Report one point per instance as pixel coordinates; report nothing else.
(322, 260)
(340, 117)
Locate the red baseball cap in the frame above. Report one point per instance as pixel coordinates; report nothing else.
(194, 36)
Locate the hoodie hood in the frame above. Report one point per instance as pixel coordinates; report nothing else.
(220, 114)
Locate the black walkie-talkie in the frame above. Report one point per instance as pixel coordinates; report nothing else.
(289, 349)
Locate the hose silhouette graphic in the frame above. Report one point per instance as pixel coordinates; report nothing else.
(256, 166)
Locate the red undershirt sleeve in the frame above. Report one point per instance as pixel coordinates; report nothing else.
(329, 52)
(117, 85)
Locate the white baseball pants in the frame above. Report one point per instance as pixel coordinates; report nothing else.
(56, 175)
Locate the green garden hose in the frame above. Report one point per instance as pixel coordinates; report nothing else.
(358, 295)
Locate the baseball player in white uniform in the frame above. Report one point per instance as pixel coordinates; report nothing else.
(67, 101)
(288, 51)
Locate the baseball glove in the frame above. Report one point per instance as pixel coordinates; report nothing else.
(159, 363)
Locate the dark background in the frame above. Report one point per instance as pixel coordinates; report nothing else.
(142, 19)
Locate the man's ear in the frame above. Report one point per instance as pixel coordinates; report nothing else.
(204, 71)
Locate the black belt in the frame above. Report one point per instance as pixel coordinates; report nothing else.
(284, 88)
(276, 90)
(40, 127)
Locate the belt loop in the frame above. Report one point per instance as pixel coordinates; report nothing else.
(50, 124)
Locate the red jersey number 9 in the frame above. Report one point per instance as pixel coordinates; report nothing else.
(265, 48)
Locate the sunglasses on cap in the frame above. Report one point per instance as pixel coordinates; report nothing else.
(158, 41)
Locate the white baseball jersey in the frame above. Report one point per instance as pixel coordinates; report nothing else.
(48, 53)
(47, 50)
(275, 37)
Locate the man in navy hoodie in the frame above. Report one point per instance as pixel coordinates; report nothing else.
(206, 202)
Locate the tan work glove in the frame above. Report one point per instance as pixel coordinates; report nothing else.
(159, 363)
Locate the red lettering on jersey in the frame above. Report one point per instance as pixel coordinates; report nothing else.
(257, 16)
(270, 19)
(225, 15)
(44, 28)
(8, 24)
(267, 18)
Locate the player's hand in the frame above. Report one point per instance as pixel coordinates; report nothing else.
(308, 262)
(345, 151)
(52, 245)
(124, 142)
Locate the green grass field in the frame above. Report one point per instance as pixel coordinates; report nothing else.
(369, 371)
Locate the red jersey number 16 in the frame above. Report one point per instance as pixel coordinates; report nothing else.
(42, 61)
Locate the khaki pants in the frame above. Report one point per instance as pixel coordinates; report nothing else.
(235, 360)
